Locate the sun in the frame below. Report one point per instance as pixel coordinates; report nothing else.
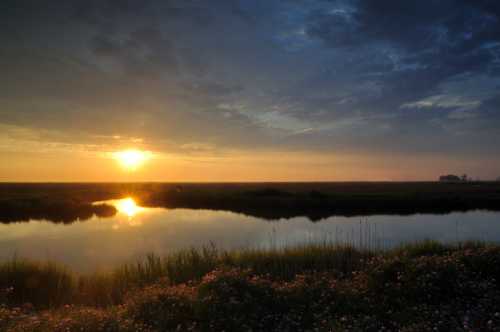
(132, 159)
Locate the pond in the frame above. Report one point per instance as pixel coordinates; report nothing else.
(100, 243)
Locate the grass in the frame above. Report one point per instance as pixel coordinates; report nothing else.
(42, 285)
(424, 286)
(47, 285)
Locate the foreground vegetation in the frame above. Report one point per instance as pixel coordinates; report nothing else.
(421, 287)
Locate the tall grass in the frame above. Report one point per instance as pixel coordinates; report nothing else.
(46, 285)
(40, 284)
(423, 286)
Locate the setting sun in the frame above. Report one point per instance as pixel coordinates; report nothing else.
(132, 159)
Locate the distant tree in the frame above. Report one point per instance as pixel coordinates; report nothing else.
(498, 179)
(464, 178)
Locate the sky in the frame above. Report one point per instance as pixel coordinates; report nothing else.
(250, 90)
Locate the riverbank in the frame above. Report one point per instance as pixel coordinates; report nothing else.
(420, 287)
(272, 201)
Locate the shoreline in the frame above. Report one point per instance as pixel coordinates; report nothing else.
(66, 203)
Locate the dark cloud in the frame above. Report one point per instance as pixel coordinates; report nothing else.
(428, 44)
(323, 75)
(447, 37)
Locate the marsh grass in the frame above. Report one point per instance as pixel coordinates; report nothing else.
(40, 284)
(50, 285)
(45, 285)
(423, 286)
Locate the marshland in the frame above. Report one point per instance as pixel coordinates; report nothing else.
(160, 257)
(249, 165)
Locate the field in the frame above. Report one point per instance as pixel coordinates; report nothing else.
(420, 287)
(70, 202)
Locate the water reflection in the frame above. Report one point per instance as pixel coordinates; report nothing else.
(127, 206)
(128, 212)
(134, 231)
(64, 212)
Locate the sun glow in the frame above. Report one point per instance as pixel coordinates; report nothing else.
(132, 159)
(128, 207)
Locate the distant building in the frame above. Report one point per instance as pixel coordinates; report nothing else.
(450, 178)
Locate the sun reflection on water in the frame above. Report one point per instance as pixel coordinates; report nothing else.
(128, 207)
(129, 211)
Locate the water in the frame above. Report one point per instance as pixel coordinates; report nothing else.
(101, 243)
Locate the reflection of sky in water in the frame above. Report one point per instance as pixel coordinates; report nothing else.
(136, 231)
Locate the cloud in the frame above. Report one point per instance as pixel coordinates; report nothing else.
(429, 42)
(444, 101)
(314, 75)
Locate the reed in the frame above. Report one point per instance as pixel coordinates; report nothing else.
(49, 285)
(423, 286)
